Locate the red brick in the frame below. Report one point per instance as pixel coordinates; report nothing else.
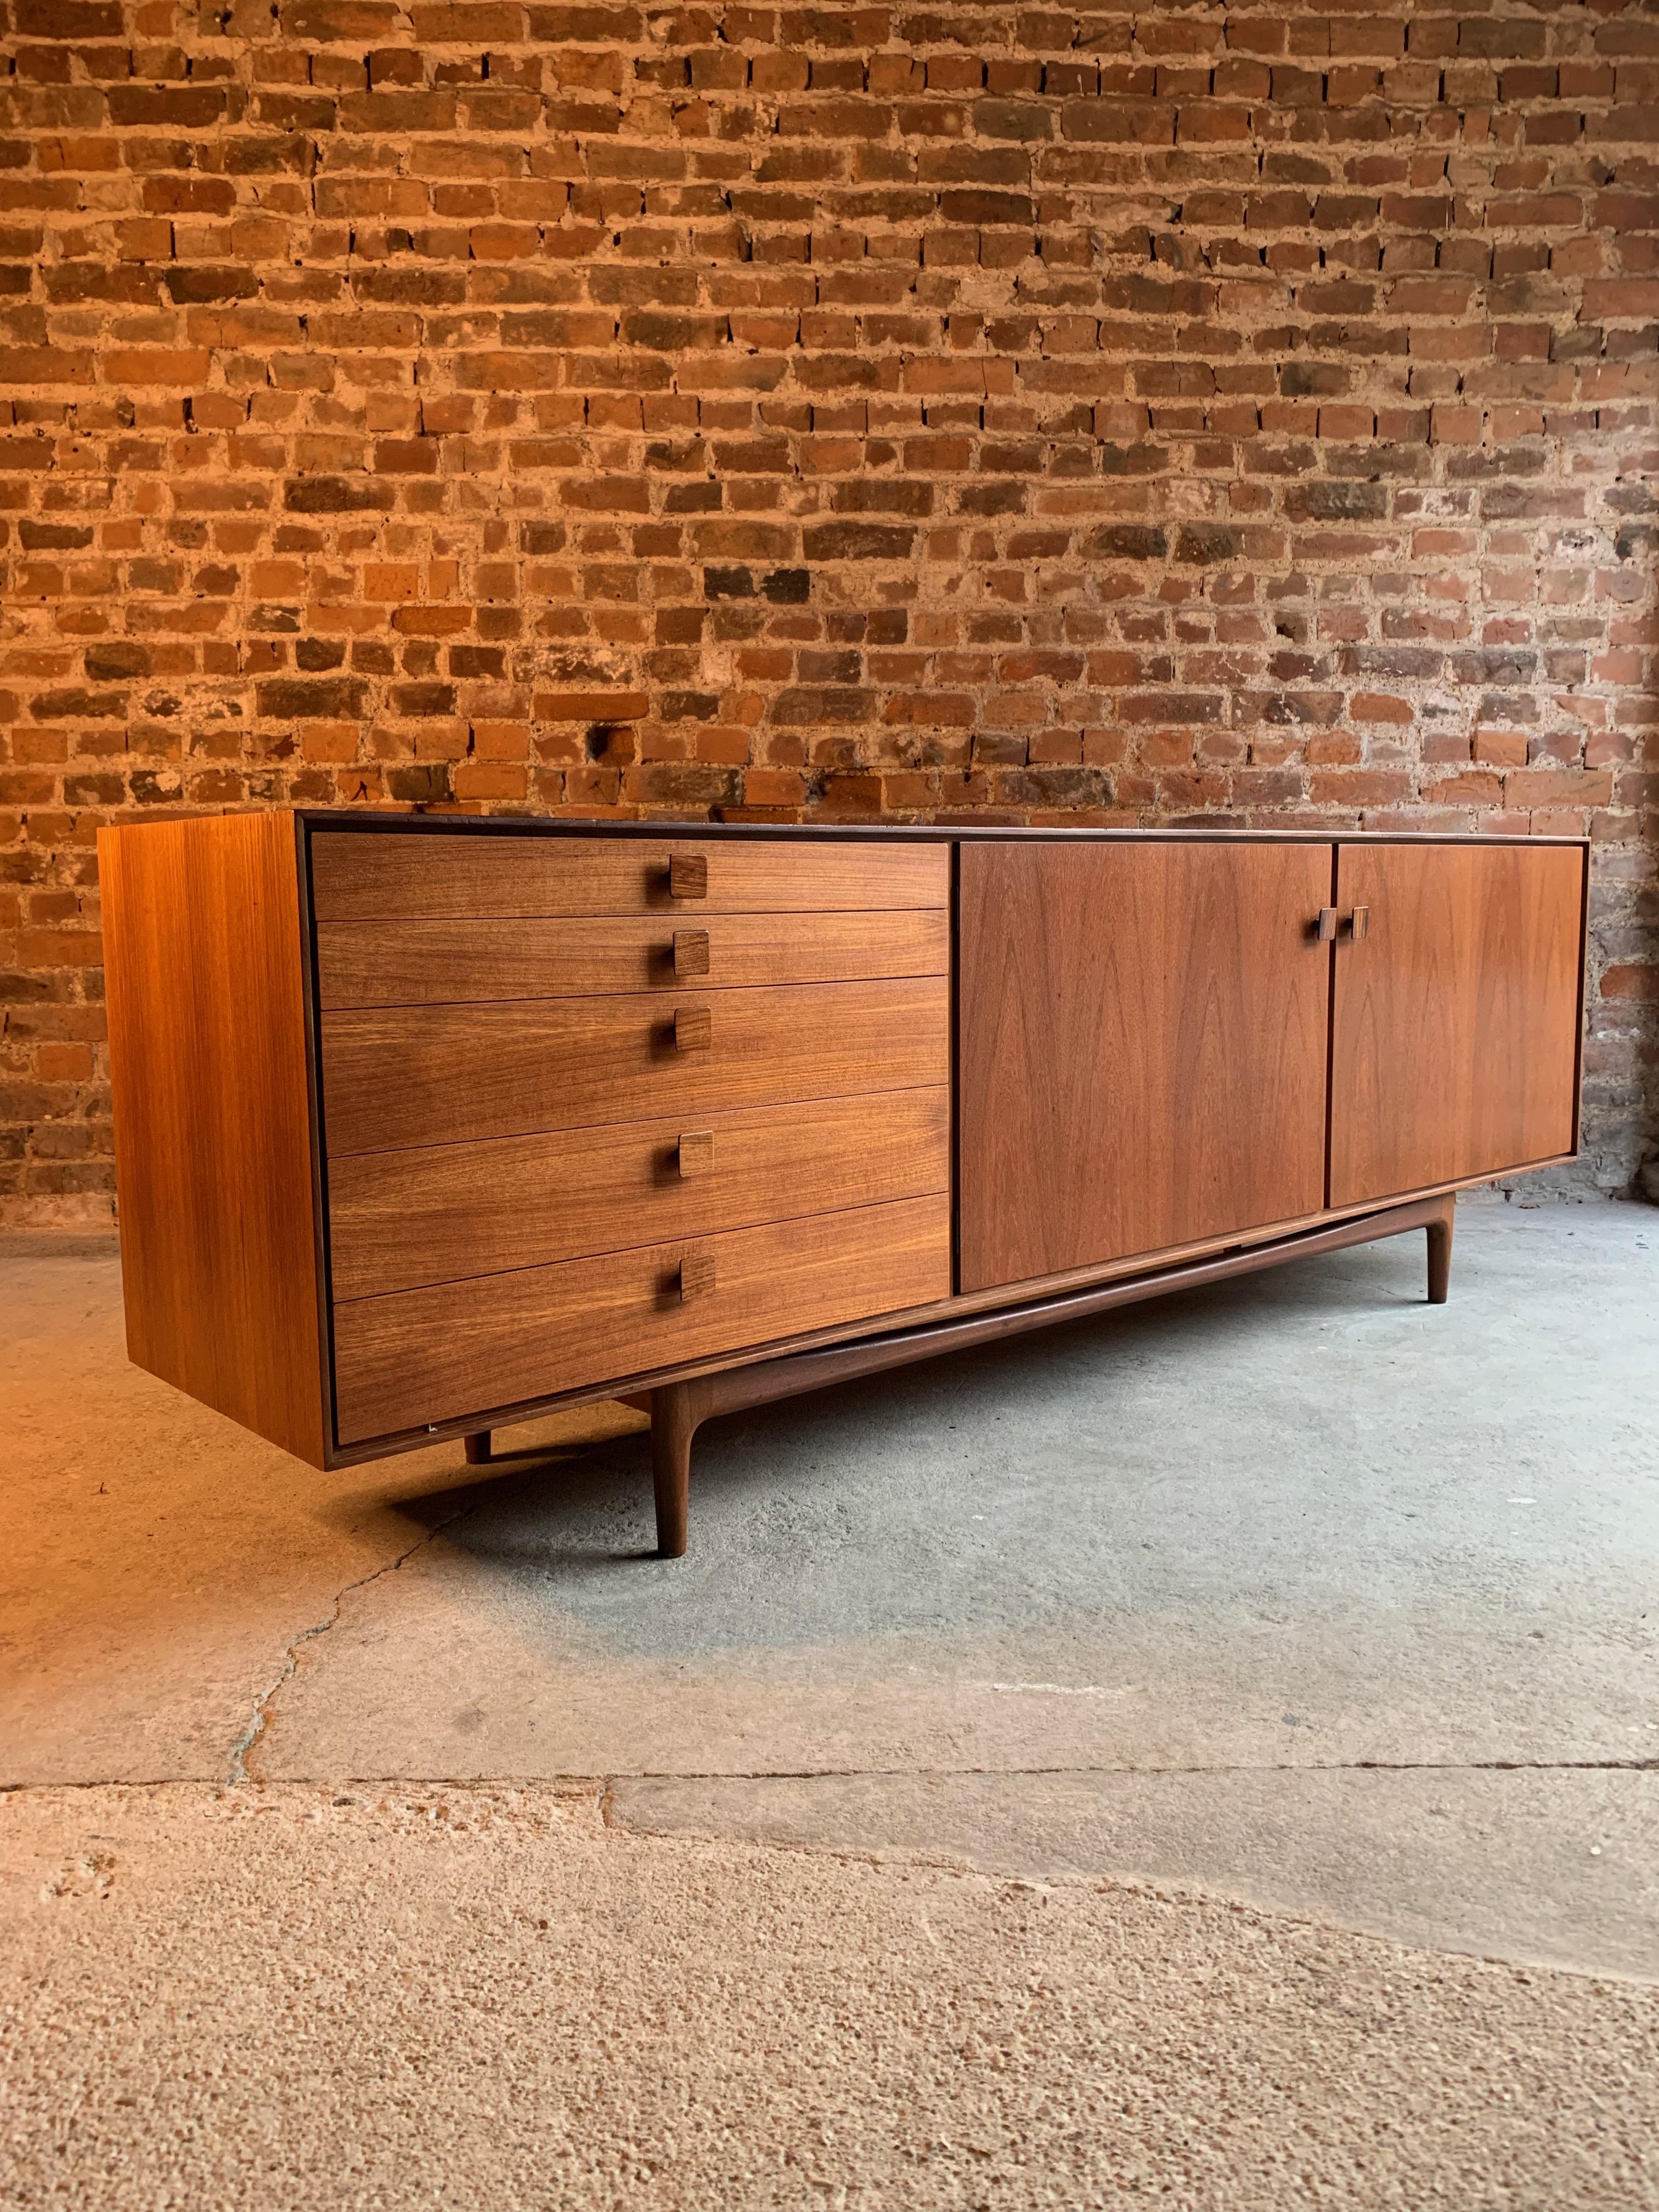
(963, 446)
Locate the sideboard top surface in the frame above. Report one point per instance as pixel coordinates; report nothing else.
(382, 821)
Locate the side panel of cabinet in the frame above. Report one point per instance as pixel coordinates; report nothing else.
(1455, 1050)
(214, 1166)
(1142, 1043)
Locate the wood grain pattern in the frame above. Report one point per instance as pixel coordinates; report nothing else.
(213, 1150)
(691, 955)
(452, 1074)
(1455, 1049)
(688, 876)
(694, 1152)
(1142, 1049)
(694, 1028)
(425, 962)
(368, 876)
(434, 1355)
(404, 1219)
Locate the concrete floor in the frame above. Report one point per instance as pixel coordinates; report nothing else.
(1239, 1642)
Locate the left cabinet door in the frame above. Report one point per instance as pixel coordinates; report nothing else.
(1142, 1037)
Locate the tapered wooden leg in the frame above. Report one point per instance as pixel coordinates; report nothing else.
(477, 1449)
(1440, 1245)
(673, 1425)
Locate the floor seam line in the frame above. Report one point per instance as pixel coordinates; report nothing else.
(607, 1783)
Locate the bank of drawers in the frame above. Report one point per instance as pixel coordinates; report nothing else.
(594, 1106)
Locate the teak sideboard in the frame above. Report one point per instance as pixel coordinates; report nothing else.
(425, 1126)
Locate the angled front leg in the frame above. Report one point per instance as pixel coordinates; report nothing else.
(1440, 1250)
(676, 1409)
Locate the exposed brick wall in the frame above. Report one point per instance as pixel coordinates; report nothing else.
(1197, 413)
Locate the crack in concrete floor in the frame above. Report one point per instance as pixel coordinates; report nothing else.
(264, 1702)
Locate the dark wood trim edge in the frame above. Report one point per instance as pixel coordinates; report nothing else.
(954, 1066)
(311, 995)
(1330, 1024)
(1583, 993)
(380, 821)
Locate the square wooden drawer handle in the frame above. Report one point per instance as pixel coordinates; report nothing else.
(697, 1151)
(694, 1027)
(1359, 921)
(696, 1274)
(691, 952)
(688, 875)
(1325, 927)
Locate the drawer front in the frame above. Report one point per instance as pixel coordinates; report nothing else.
(454, 1074)
(370, 875)
(441, 1211)
(425, 962)
(470, 1348)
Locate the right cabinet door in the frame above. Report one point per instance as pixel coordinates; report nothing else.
(1454, 1036)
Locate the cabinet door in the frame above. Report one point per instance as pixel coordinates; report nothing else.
(1455, 1050)
(1142, 1049)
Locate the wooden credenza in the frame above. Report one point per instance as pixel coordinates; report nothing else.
(424, 1125)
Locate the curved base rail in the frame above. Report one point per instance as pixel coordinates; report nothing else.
(677, 1410)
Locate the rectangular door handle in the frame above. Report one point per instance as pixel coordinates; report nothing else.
(1325, 927)
(691, 952)
(696, 1274)
(688, 875)
(1359, 921)
(697, 1151)
(694, 1028)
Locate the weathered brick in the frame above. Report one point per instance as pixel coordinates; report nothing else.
(334, 495)
(69, 19)
(857, 541)
(1207, 541)
(296, 699)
